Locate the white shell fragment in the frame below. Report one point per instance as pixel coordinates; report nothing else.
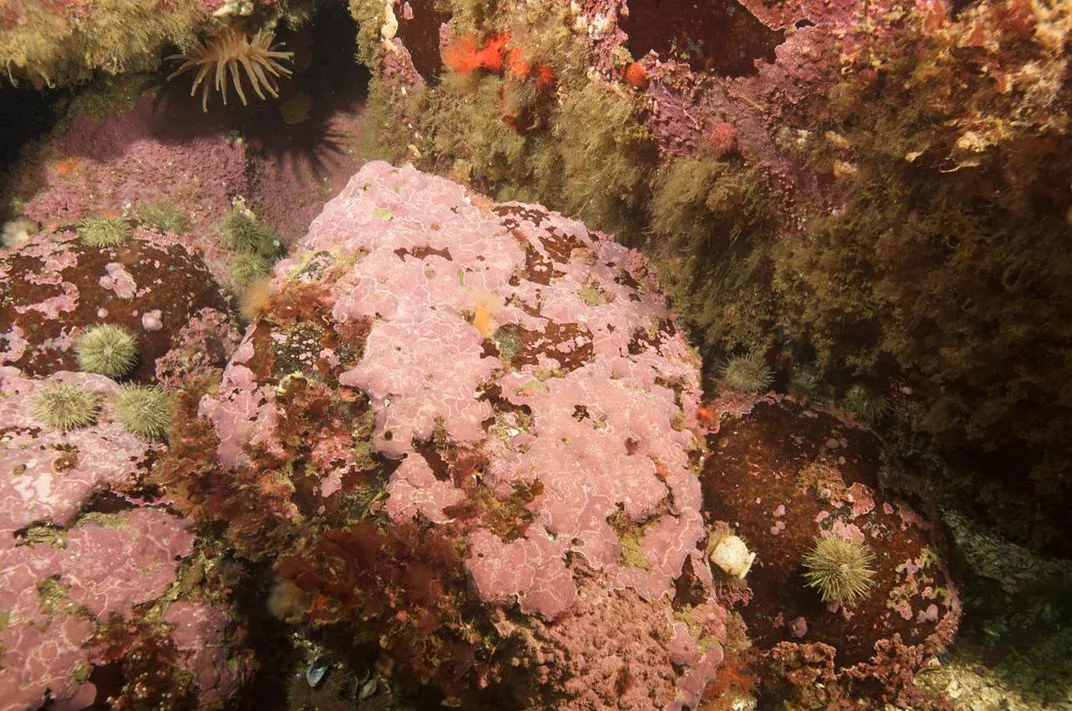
(732, 555)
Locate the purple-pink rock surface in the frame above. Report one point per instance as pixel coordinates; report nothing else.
(80, 553)
(476, 350)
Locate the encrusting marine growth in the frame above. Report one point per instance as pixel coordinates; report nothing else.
(840, 569)
(224, 53)
(107, 350)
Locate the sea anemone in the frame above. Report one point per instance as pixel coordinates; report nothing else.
(145, 410)
(107, 350)
(224, 53)
(63, 406)
(840, 569)
(104, 231)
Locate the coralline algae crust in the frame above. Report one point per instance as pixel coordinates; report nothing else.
(515, 335)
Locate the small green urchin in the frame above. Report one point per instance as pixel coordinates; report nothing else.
(840, 569)
(63, 406)
(145, 410)
(242, 233)
(104, 231)
(248, 268)
(107, 350)
(866, 404)
(747, 373)
(164, 217)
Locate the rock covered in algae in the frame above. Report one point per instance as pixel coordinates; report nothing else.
(465, 427)
(788, 477)
(56, 288)
(86, 562)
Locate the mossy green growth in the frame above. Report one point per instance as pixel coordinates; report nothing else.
(51, 48)
(164, 217)
(953, 277)
(104, 231)
(54, 596)
(106, 349)
(632, 552)
(602, 161)
(144, 410)
(747, 373)
(63, 406)
(840, 569)
(715, 223)
(381, 138)
(107, 95)
(49, 534)
(507, 340)
(369, 15)
(467, 124)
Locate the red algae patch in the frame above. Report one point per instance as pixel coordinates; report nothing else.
(784, 477)
(55, 288)
(443, 427)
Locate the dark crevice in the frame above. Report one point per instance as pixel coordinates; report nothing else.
(719, 37)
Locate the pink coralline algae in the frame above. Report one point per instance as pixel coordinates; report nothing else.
(482, 350)
(48, 474)
(68, 572)
(138, 158)
(201, 635)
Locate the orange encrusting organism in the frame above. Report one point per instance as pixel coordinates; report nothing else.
(707, 416)
(483, 321)
(463, 57)
(636, 75)
(496, 55)
(67, 167)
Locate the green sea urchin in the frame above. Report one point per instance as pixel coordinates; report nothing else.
(63, 406)
(747, 373)
(866, 404)
(248, 268)
(104, 231)
(840, 569)
(164, 217)
(242, 232)
(145, 410)
(107, 350)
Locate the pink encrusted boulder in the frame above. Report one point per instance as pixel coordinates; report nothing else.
(55, 286)
(82, 556)
(456, 416)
